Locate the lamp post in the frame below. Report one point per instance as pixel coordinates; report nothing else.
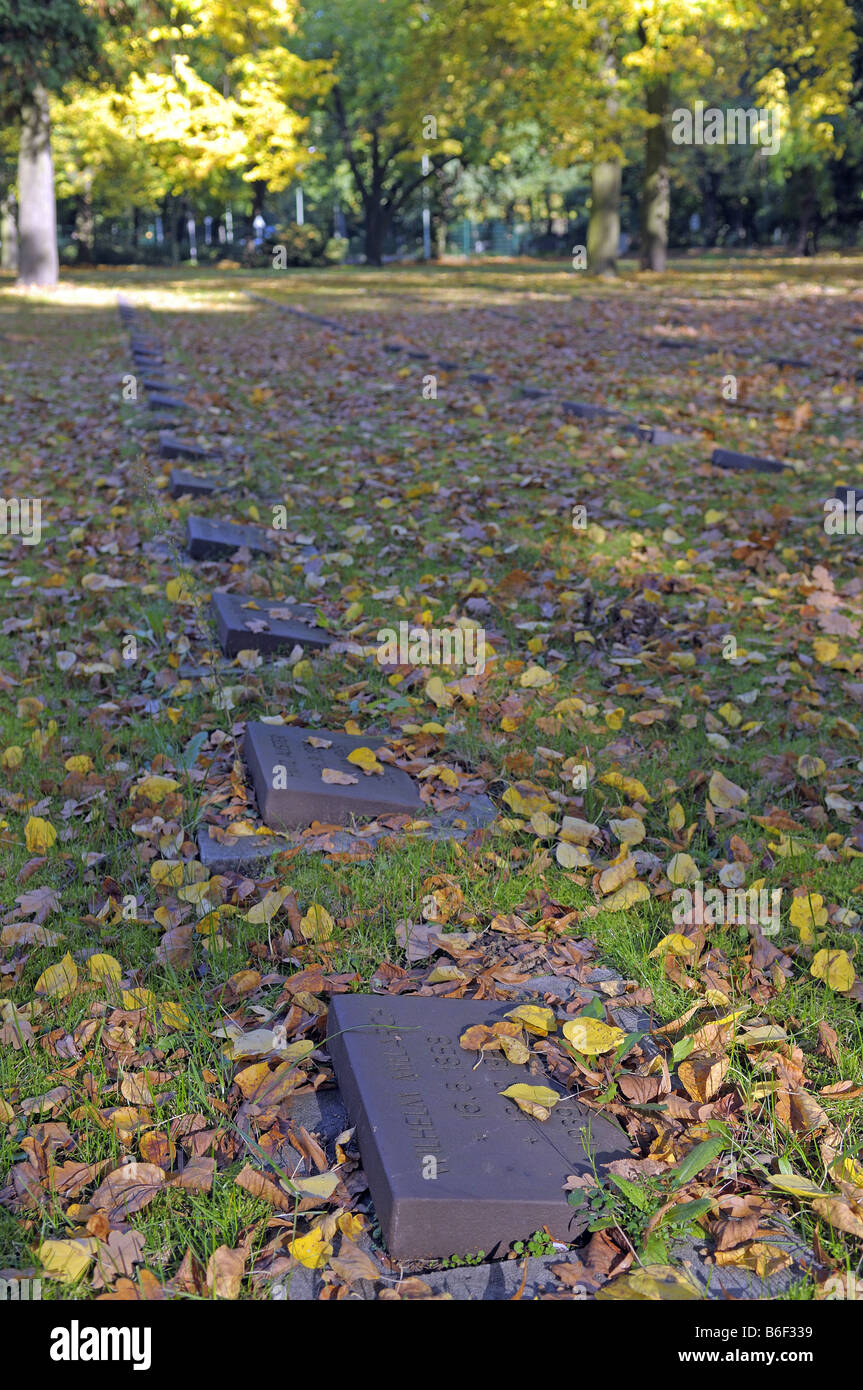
(426, 212)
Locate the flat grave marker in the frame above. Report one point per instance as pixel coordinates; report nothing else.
(158, 400)
(215, 540)
(585, 411)
(184, 484)
(172, 447)
(454, 1167)
(286, 771)
(269, 627)
(745, 463)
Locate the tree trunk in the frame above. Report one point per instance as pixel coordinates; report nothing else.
(806, 203)
(169, 228)
(377, 223)
(85, 225)
(38, 261)
(8, 232)
(603, 229)
(656, 198)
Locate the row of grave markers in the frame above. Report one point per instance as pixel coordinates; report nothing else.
(729, 459)
(453, 1168)
(286, 764)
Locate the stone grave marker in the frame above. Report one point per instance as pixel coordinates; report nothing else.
(172, 447)
(745, 463)
(157, 400)
(215, 540)
(287, 774)
(268, 627)
(184, 484)
(789, 362)
(453, 1166)
(584, 411)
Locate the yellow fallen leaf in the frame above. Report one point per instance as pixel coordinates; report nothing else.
(525, 798)
(168, 873)
(317, 924)
(725, 794)
(834, 968)
(39, 835)
(571, 856)
(847, 1169)
(178, 591)
(321, 1185)
(138, 999)
(266, 909)
(809, 766)
(796, 1185)
(806, 913)
(365, 758)
(67, 1260)
(617, 873)
(12, 757)
(59, 979)
(682, 868)
(731, 714)
(445, 974)
(633, 789)
(537, 1101)
(173, 1015)
(591, 1036)
(81, 762)
(676, 943)
(311, 1249)
(542, 824)
(577, 831)
(630, 831)
(535, 1018)
(654, 1284)
(155, 788)
(515, 1050)
(636, 891)
(438, 693)
(535, 677)
(104, 969)
(825, 650)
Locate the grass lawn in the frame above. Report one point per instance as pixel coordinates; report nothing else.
(675, 668)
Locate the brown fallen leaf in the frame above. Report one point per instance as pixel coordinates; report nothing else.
(734, 1231)
(702, 1075)
(128, 1188)
(842, 1213)
(117, 1256)
(197, 1175)
(259, 1184)
(352, 1263)
(225, 1270)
